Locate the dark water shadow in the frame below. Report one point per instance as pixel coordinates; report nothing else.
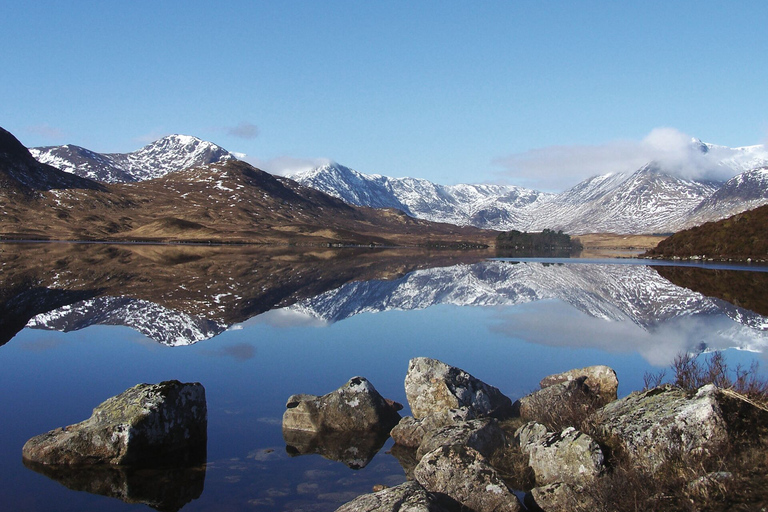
(354, 449)
(166, 489)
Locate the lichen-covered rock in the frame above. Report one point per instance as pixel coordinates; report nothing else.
(356, 406)
(463, 474)
(557, 401)
(600, 380)
(569, 456)
(147, 423)
(432, 386)
(410, 431)
(484, 435)
(406, 497)
(529, 434)
(559, 497)
(652, 425)
(352, 448)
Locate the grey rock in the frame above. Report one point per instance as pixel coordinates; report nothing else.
(484, 435)
(356, 406)
(410, 431)
(569, 456)
(556, 402)
(559, 497)
(432, 386)
(463, 474)
(146, 424)
(652, 425)
(601, 380)
(406, 497)
(529, 434)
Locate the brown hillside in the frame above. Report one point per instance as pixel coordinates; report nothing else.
(741, 237)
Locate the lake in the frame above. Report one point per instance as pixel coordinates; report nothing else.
(83, 322)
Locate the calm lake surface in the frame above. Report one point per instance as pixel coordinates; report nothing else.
(82, 323)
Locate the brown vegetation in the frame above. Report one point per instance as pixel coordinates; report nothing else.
(741, 237)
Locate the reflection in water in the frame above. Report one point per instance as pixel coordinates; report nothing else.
(167, 490)
(354, 449)
(181, 295)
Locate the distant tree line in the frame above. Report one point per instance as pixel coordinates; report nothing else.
(544, 241)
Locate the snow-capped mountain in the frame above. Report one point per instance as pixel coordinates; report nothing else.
(166, 155)
(463, 205)
(651, 199)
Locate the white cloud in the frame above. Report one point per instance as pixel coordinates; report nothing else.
(286, 165)
(555, 168)
(46, 131)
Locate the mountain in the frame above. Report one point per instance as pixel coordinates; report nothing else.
(21, 174)
(166, 155)
(228, 201)
(651, 199)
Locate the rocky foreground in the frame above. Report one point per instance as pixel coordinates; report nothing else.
(469, 447)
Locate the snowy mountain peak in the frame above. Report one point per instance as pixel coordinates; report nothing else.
(169, 154)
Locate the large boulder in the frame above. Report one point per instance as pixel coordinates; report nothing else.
(600, 380)
(464, 475)
(569, 456)
(355, 406)
(651, 426)
(409, 496)
(146, 424)
(410, 431)
(484, 435)
(432, 386)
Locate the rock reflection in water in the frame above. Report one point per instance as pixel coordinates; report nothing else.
(355, 449)
(166, 490)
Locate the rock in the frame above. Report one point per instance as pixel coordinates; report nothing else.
(410, 431)
(352, 448)
(530, 433)
(463, 474)
(146, 424)
(409, 496)
(484, 435)
(651, 426)
(559, 497)
(560, 402)
(600, 380)
(432, 386)
(569, 456)
(180, 485)
(356, 406)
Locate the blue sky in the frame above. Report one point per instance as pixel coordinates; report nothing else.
(528, 93)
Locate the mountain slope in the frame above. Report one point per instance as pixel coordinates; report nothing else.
(743, 192)
(166, 155)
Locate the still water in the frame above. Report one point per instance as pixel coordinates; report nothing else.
(83, 323)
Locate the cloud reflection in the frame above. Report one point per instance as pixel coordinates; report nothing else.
(657, 344)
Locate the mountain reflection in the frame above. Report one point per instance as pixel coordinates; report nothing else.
(178, 295)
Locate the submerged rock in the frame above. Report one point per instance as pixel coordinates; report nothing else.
(464, 475)
(409, 496)
(600, 380)
(180, 485)
(651, 426)
(356, 406)
(146, 424)
(433, 386)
